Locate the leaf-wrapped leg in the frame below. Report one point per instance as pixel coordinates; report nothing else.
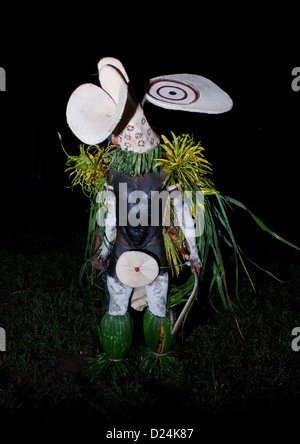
(157, 333)
(116, 335)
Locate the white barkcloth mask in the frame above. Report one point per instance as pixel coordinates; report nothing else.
(112, 112)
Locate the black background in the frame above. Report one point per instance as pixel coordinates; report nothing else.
(48, 51)
(250, 54)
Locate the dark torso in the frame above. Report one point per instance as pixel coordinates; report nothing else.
(139, 215)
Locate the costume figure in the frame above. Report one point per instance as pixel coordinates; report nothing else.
(141, 180)
(112, 112)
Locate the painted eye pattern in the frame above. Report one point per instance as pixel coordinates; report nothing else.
(172, 91)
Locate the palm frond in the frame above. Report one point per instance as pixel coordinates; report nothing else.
(184, 162)
(89, 169)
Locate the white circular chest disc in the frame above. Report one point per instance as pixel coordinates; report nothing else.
(136, 269)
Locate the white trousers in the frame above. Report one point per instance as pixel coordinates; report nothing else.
(156, 292)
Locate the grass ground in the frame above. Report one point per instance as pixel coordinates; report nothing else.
(51, 329)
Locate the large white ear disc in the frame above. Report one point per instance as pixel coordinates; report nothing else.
(188, 92)
(93, 112)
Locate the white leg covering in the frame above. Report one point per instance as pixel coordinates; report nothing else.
(119, 296)
(157, 293)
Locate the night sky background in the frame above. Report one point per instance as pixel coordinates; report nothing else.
(253, 148)
(248, 52)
